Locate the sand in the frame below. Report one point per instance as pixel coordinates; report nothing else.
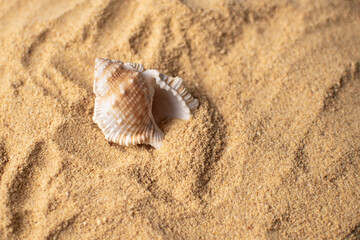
(273, 152)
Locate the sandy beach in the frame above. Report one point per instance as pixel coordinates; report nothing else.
(272, 152)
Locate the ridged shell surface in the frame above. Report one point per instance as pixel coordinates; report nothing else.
(125, 93)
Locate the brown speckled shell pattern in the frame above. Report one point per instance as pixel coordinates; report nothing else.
(123, 104)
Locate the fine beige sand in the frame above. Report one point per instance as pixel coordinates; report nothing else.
(273, 152)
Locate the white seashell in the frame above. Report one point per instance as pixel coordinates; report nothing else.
(130, 100)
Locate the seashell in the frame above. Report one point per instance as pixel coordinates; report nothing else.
(130, 100)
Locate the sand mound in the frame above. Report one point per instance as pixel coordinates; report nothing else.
(273, 152)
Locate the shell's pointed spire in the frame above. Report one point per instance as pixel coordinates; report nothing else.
(130, 101)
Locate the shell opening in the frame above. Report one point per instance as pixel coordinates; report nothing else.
(166, 105)
(171, 99)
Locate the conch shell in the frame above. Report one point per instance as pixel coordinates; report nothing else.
(131, 100)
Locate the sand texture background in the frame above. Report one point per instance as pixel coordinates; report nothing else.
(273, 152)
